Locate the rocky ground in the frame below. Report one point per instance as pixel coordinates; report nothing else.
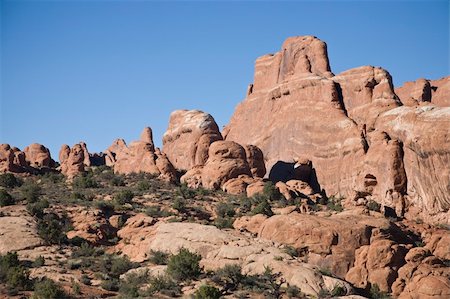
(107, 235)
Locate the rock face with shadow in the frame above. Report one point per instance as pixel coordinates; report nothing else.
(352, 126)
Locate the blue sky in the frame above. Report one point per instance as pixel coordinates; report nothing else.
(100, 70)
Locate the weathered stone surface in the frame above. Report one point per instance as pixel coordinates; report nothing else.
(425, 135)
(238, 185)
(226, 161)
(188, 137)
(90, 225)
(38, 156)
(140, 156)
(17, 231)
(219, 248)
(255, 188)
(193, 177)
(331, 241)
(440, 92)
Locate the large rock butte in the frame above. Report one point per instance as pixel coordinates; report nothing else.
(352, 126)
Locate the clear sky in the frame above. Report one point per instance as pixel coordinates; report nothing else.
(99, 70)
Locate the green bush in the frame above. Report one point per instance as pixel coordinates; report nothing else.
(5, 198)
(77, 196)
(184, 265)
(39, 262)
(207, 292)
(225, 210)
(159, 257)
(224, 222)
(37, 208)
(129, 288)
(263, 207)
(53, 177)
(144, 185)
(51, 228)
(163, 284)
(271, 192)
(9, 180)
(110, 284)
(179, 204)
(105, 206)
(376, 293)
(338, 291)
(229, 277)
(85, 280)
(124, 197)
(186, 192)
(294, 292)
(156, 212)
(85, 181)
(118, 180)
(13, 274)
(335, 204)
(31, 192)
(373, 206)
(114, 266)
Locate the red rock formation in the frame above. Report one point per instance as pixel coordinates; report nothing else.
(423, 91)
(296, 107)
(139, 156)
(38, 156)
(12, 159)
(188, 137)
(72, 159)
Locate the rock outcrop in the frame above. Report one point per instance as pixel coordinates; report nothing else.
(73, 159)
(12, 159)
(228, 168)
(140, 156)
(38, 156)
(423, 91)
(368, 143)
(188, 137)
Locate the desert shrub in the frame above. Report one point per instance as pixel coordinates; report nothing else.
(270, 192)
(207, 292)
(224, 222)
(9, 180)
(338, 291)
(186, 192)
(245, 205)
(37, 208)
(293, 292)
(323, 293)
(39, 262)
(335, 204)
(143, 185)
(129, 287)
(124, 197)
(372, 205)
(76, 289)
(105, 206)
(53, 177)
(5, 198)
(179, 204)
(111, 284)
(51, 228)
(184, 265)
(229, 277)
(114, 266)
(86, 250)
(163, 284)
(296, 252)
(156, 212)
(13, 274)
(117, 180)
(31, 192)
(263, 207)
(325, 271)
(159, 257)
(85, 181)
(265, 283)
(85, 280)
(225, 210)
(77, 196)
(376, 293)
